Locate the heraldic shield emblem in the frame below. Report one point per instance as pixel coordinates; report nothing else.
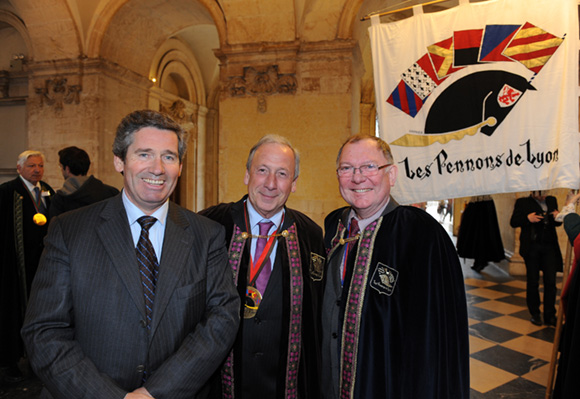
(384, 279)
(316, 266)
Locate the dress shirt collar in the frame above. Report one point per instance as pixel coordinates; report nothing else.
(363, 223)
(255, 218)
(29, 185)
(134, 213)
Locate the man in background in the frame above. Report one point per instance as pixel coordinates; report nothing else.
(78, 189)
(540, 249)
(133, 297)
(394, 313)
(277, 256)
(24, 202)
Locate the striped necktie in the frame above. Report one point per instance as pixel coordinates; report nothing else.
(148, 265)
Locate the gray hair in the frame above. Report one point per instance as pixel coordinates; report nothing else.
(381, 145)
(138, 120)
(275, 139)
(27, 154)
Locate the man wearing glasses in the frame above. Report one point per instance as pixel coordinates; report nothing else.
(394, 312)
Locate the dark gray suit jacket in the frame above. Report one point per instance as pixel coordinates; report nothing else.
(84, 328)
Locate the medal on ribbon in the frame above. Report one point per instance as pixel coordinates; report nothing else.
(39, 219)
(253, 299)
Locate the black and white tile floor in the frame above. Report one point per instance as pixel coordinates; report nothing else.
(510, 357)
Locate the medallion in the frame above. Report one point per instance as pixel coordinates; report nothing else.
(253, 299)
(39, 219)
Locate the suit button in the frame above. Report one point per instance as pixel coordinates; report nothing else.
(258, 354)
(334, 335)
(257, 320)
(143, 323)
(140, 368)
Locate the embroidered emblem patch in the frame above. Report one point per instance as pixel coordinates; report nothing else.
(384, 279)
(316, 266)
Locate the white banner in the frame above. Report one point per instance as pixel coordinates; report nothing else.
(480, 99)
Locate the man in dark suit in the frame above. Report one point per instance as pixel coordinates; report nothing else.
(277, 351)
(133, 297)
(541, 251)
(79, 189)
(23, 225)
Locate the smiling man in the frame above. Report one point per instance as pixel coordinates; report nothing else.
(276, 254)
(394, 314)
(133, 297)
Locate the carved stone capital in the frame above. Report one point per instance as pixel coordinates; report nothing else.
(261, 82)
(57, 92)
(183, 114)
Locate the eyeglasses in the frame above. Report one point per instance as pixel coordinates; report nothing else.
(365, 170)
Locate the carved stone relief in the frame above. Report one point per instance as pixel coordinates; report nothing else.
(57, 92)
(187, 118)
(260, 82)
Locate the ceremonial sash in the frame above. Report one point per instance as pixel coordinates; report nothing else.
(295, 325)
(354, 304)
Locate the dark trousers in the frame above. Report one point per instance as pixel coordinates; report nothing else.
(542, 257)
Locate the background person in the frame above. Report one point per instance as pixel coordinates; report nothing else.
(23, 224)
(541, 251)
(78, 189)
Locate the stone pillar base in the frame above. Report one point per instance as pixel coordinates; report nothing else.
(517, 267)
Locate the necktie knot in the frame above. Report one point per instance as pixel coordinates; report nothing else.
(353, 229)
(266, 270)
(146, 222)
(265, 227)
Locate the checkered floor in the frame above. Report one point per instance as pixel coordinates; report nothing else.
(510, 357)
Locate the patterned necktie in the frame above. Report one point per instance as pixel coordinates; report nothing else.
(148, 265)
(348, 263)
(39, 204)
(353, 230)
(264, 276)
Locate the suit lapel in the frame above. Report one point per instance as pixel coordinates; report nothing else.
(177, 246)
(115, 234)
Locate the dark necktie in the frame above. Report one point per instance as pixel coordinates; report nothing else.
(264, 276)
(148, 265)
(39, 204)
(353, 230)
(348, 262)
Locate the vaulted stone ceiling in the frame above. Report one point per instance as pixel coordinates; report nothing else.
(129, 32)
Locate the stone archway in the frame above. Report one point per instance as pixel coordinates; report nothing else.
(16, 51)
(179, 91)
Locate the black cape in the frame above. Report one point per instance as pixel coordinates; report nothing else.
(479, 236)
(311, 254)
(20, 250)
(410, 334)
